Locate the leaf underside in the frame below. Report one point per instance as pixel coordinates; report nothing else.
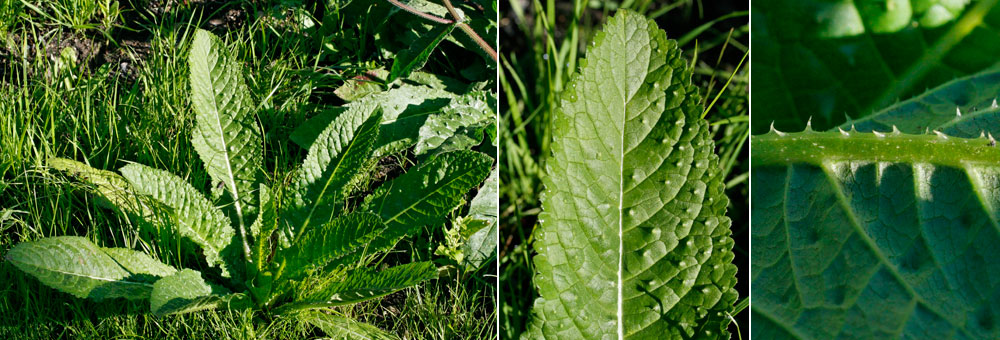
(634, 201)
(482, 245)
(877, 241)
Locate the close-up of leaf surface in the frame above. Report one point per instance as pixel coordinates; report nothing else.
(633, 239)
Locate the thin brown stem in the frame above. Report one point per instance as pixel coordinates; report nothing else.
(479, 40)
(418, 13)
(457, 20)
(470, 32)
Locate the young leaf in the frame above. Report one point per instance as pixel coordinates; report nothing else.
(416, 56)
(423, 196)
(366, 284)
(335, 157)
(874, 236)
(186, 292)
(74, 265)
(341, 328)
(324, 243)
(195, 217)
(226, 136)
(634, 238)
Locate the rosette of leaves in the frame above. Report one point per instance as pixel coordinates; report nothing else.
(284, 249)
(634, 241)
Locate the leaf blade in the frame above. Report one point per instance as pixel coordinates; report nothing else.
(424, 195)
(334, 159)
(416, 56)
(186, 292)
(226, 136)
(196, 218)
(328, 242)
(366, 284)
(74, 265)
(339, 327)
(626, 250)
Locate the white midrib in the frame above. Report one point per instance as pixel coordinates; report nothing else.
(621, 211)
(237, 203)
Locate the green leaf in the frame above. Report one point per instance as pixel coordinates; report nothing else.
(341, 328)
(423, 196)
(138, 263)
(822, 59)
(874, 236)
(459, 126)
(482, 245)
(404, 111)
(265, 225)
(186, 292)
(335, 157)
(366, 284)
(194, 216)
(76, 266)
(362, 85)
(416, 56)
(634, 238)
(333, 240)
(111, 187)
(226, 135)
(964, 107)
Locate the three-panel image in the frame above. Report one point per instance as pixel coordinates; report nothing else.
(499, 169)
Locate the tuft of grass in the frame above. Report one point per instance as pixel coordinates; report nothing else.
(543, 41)
(105, 82)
